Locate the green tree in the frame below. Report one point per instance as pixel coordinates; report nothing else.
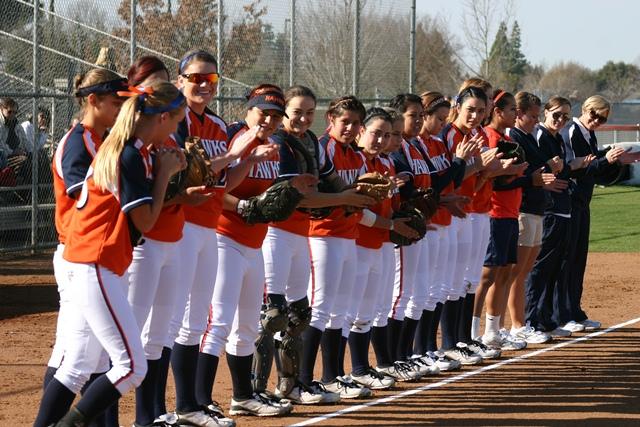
(516, 62)
(568, 79)
(618, 80)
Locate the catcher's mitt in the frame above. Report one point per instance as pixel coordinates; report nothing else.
(197, 173)
(277, 203)
(425, 200)
(416, 221)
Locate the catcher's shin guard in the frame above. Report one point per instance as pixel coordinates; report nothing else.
(273, 318)
(289, 349)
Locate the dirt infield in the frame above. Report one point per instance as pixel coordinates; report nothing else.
(595, 381)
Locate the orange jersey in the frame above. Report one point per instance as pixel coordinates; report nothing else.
(212, 131)
(99, 231)
(419, 165)
(71, 162)
(373, 237)
(349, 165)
(168, 227)
(452, 137)
(260, 177)
(481, 202)
(440, 158)
(504, 203)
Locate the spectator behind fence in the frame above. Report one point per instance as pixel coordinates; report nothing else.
(43, 128)
(12, 136)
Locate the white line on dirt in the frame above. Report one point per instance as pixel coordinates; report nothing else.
(462, 376)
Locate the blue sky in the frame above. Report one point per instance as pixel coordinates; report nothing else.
(586, 31)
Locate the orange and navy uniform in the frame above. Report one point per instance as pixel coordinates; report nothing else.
(452, 136)
(168, 227)
(409, 159)
(260, 177)
(481, 202)
(349, 165)
(441, 160)
(70, 164)
(100, 231)
(298, 223)
(373, 237)
(505, 202)
(212, 131)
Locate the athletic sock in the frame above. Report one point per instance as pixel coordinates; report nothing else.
(466, 314)
(184, 363)
(432, 337)
(359, 348)
(421, 339)
(380, 346)
(311, 337)
(394, 327)
(341, 353)
(475, 327)
(145, 394)
(492, 326)
(48, 376)
(98, 397)
(331, 339)
(205, 377)
(450, 313)
(159, 404)
(407, 333)
(240, 368)
(98, 421)
(56, 401)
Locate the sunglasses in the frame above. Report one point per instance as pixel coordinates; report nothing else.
(199, 78)
(599, 118)
(558, 116)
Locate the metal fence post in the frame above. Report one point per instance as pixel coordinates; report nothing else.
(292, 15)
(219, 29)
(36, 133)
(412, 48)
(356, 50)
(615, 136)
(132, 31)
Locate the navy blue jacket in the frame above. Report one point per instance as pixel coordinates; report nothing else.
(551, 146)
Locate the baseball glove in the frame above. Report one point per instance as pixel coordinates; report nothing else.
(374, 185)
(511, 150)
(277, 203)
(416, 221)
(197, 173)
(425, 200)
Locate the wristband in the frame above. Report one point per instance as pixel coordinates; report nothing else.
(368, 218)
(242, 204)
(391, 226)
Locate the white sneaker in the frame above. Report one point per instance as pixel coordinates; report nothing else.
(530, 335)
(169, 418)
(559, 332)
(443, 362)
(202, 419)
(327, 396)
(258, 405)
(302, 395)
(511, 343)
(347, 389)
(427, 363)
(590, 325)
(572, 326)
(400, 372)
(463, 355)
(493, 340)
(374, 380)
(482, 350)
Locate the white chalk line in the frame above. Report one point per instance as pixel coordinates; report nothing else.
(462, 376)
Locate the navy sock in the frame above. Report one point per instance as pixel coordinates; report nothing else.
(159, 403)
(184, 362)
(407, 333)
(48, 376)
(421, 339)
(466, 316)
(111, 415)
(380, 346)
(240, 368)
(341, 353)
(393, 336)
(449, 322)
(98, 397)
(331, 339)
(432, 337)
(205, 377)
(359, 348)
(56, 401)
(145, 394)
(98, 421)
(311, 338)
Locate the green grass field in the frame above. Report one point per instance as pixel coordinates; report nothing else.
(615, 219)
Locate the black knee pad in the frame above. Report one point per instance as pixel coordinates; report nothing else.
(299, 317)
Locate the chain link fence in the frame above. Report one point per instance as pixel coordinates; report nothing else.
(336, 47)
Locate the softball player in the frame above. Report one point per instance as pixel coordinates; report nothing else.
(236, 302)
(122, 196)
(96, 94)
(286, 310)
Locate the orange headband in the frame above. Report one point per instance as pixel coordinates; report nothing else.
(136, 91)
